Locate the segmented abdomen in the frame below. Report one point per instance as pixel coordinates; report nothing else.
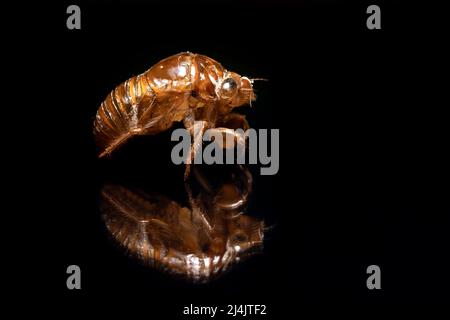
(123, 113)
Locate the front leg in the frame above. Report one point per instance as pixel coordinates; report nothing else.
(196, 130)
(226, 125)
(233, 121)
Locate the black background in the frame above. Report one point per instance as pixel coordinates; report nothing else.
(363, 168)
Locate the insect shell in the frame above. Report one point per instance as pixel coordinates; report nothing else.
(162, 234)
(184, 87)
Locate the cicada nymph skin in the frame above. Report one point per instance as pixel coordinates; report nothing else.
(184, 87)
(198, 243)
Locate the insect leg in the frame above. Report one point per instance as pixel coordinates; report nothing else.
(116, 143)
(233, 121)
(197, 130)
(230, 138)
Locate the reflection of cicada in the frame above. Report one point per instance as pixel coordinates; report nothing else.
(185, 87)
(198, 243)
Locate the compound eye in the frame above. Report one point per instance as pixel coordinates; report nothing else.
(239, 238)
(229, 88)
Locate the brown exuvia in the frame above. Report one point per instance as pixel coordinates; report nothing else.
(199, 242)
(185, 87)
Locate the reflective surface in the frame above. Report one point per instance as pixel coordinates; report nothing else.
(198, 241)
